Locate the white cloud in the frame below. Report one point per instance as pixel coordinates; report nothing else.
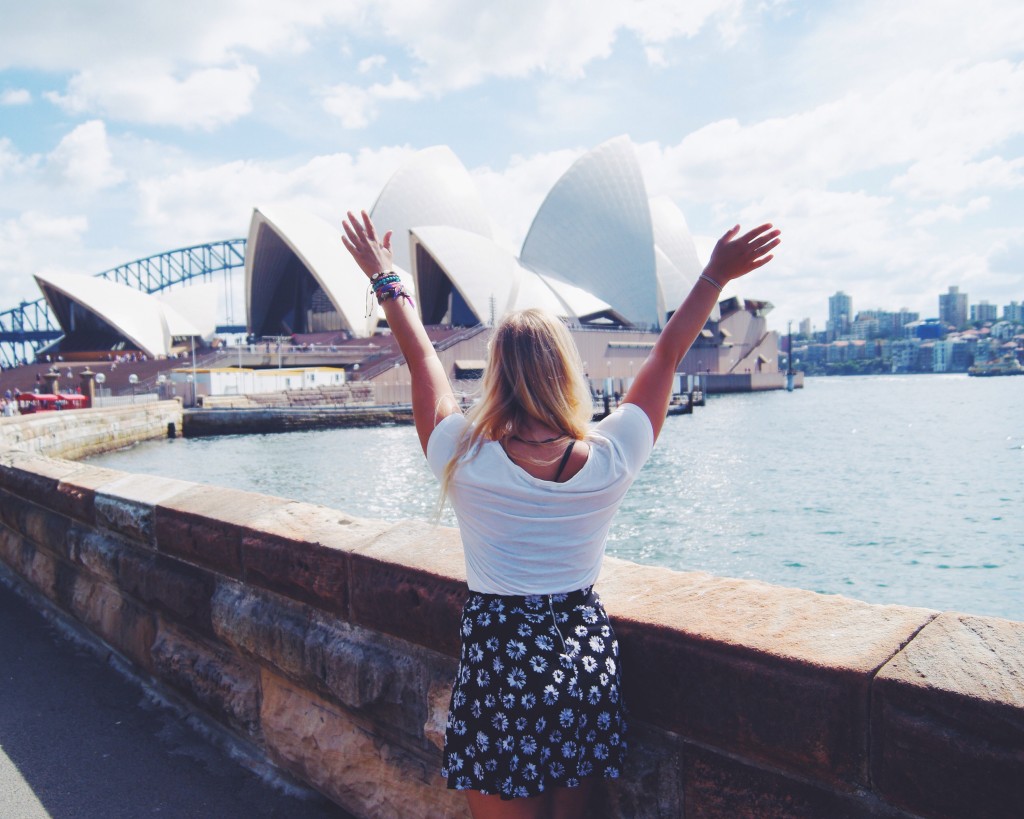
(83, 158)
(368, 64)
(205, 98)
(29, 243)
(948, 176)
(950, 213)
(16, 96)
(356, 107)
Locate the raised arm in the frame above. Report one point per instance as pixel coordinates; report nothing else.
(732, 257)
(432, 396)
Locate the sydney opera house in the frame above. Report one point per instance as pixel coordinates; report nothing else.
(599, 253)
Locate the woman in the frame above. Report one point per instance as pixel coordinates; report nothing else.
(536, 712)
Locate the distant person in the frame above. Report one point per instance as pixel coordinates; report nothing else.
(536, 711)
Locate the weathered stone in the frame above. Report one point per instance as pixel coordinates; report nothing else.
(411, 583)
(651, 784)
(720, 787)
(47, 529)
(40, 569)
(325, 746)
(127, 505)
(31, 476)
(174, 588)
(775, 674)
(382, 677)
(98, 552)
(948, 727)
(263, 625)
(121, 623)
(220, 683)
(76, 492)
(301, 550)
(206, 524)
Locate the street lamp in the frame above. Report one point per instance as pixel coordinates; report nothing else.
(133, 379)
(190, 379)
(100, 380)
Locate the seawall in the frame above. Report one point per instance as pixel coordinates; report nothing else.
(327, 645)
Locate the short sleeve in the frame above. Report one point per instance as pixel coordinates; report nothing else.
(629, 430)
(443, 441)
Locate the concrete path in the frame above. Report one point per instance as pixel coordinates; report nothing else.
(79, 740)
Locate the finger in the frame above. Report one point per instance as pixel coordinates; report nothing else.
(750, 235)
(760, 262)
(370, 232)
(764, 247)
(728, 235)
(351, 248)
(350, 232)
(358, 228)
(386, 244)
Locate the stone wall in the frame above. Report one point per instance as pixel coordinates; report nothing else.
(327, 644)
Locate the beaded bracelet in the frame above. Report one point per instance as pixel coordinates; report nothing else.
(384, 281)
(711, 281)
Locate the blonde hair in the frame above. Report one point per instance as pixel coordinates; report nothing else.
(533, 373)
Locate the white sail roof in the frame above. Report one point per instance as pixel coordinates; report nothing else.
(432, 189)
(594, 231)
(137, 316)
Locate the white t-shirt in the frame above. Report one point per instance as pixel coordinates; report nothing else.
(524, 535)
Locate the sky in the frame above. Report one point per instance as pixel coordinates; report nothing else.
(884, 137)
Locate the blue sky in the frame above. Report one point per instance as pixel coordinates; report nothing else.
(885, 138)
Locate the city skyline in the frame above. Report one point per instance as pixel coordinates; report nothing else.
(883, 140)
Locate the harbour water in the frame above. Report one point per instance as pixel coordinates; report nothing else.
(901, 489)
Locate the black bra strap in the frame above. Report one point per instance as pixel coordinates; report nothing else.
(565, 460)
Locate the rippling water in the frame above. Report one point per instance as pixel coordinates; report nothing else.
(902, 489)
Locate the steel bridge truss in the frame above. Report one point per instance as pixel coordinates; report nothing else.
(29, 326)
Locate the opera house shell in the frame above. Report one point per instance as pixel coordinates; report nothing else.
(598, 253)
(97, 314)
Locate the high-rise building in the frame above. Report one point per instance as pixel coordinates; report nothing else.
(953, 308)
(1014, 312)
(805, 328)
(840, 314)
(983, 311)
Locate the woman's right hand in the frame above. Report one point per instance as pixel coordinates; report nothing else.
(360, 239)
(734, 257)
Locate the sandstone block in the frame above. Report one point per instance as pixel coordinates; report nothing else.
(383, 678)
(410, 582)
(127, 505)
(178, 590)
(206, 524)
(76, 492)
(301, 550)
(324, 745)
(219, 682)
(266, 626)
(651, 785)
(720, 787)
(119, 622)
(948, 727)
(775, 674)
(31, 476)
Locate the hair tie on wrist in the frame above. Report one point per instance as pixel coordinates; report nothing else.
(711, 281)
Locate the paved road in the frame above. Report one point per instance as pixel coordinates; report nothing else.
(79, 741)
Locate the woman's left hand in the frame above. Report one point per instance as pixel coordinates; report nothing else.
(360, 239)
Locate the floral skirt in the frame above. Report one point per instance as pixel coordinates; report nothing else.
(537, 700)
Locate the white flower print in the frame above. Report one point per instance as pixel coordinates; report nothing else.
(569, 749)
(565, 717)
(476, 654)
(483, 742)
(500, 721)
(516, 678)
(483, 679)
(589, 664)
(544, 643)
(603, 679)
(538, 663)
(529, 700)
(550, 695)
(484, 619)
(580, 631)
(572, 648)
(529, 772)
(594, 695)
(508, 700)
(558, 675)
(528, 745)
(515, 649)
(609, 663)
(604, 720)
(589, 614)
(596, 644)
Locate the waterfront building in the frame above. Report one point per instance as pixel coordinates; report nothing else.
(865, 326)
(953, 308)
(805, 328)
(952, 355)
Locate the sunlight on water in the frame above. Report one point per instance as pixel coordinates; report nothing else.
(903, 489)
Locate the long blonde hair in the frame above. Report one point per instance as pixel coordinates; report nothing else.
(533, 373)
